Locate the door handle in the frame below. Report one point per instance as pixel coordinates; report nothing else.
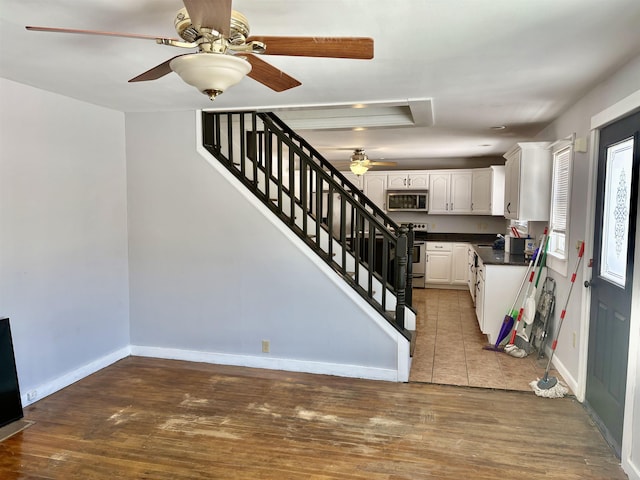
(587, 284)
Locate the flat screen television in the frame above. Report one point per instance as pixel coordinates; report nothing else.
(10, 402)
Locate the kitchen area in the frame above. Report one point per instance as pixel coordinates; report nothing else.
(467, 260)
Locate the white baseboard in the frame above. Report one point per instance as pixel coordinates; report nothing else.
(571, 382)
(59, 383)
(632, 470)
(340, 370)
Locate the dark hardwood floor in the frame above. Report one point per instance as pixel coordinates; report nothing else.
(160, 419)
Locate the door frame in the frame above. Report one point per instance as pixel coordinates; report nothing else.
(619, 110)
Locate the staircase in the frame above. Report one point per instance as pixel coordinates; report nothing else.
(335, 219)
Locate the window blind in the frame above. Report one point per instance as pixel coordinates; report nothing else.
(560, 200)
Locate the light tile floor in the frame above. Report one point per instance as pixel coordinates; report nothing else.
(449, 343)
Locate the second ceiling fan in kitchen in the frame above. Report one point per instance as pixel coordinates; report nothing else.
(359, 163)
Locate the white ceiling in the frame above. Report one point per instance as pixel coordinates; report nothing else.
(482, 63)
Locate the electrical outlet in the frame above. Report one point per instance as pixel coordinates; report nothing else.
(574, 339)
(265, 346)
(32, 395)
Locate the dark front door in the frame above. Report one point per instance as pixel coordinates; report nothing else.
(611, 283)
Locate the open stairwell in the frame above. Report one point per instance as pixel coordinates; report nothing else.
(333, 218)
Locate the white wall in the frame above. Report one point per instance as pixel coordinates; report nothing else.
(578, 119)
(572, 360)
(63, 238)
(209, 273)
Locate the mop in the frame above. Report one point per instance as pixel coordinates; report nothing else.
(547, 386)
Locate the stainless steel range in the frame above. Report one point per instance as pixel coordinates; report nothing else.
(419, 265)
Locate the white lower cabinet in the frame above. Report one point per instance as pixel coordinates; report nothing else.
(460, 264)
(496, 287)
(447, 263)
(438, 263)
(480, 313)
(471, 272)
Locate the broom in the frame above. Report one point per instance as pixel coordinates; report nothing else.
(547, 386)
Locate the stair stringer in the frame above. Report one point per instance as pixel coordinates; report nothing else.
(403, 345)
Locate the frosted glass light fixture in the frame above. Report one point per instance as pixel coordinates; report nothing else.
(358, 168)
(210, 73)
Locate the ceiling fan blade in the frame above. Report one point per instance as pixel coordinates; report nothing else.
(156, 72)
(97, 32)
(214, 14)
(331, 47)
(383, 164)
(270, 76)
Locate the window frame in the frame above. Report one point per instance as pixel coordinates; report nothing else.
(557, 258)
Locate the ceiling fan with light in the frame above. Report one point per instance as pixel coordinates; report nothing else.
(226, 52)
(360, 163)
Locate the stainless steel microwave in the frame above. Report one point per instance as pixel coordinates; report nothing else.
(407, 200)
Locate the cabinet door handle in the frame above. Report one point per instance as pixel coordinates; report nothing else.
(405, 182)
(508, 209)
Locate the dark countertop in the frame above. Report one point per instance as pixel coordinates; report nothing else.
(477, 238)
(481, 242)
(490, 256)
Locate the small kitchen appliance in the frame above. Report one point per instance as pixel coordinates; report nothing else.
(407, 201)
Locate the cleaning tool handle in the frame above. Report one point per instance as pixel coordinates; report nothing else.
(544, 257)
(564, 308)
(514, 332)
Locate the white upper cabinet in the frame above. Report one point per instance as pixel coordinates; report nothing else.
(439, 187)
(487, 191)
(461, 192)
(414, 181)
(497, 190)
(527, 190)
(450, 192)
(357, 180)
(481, 192)
(375, 187)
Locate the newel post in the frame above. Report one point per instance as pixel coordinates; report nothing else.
(402, 258)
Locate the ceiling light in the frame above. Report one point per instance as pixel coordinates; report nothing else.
(498, 127)
(358, 168)
(210, 73)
